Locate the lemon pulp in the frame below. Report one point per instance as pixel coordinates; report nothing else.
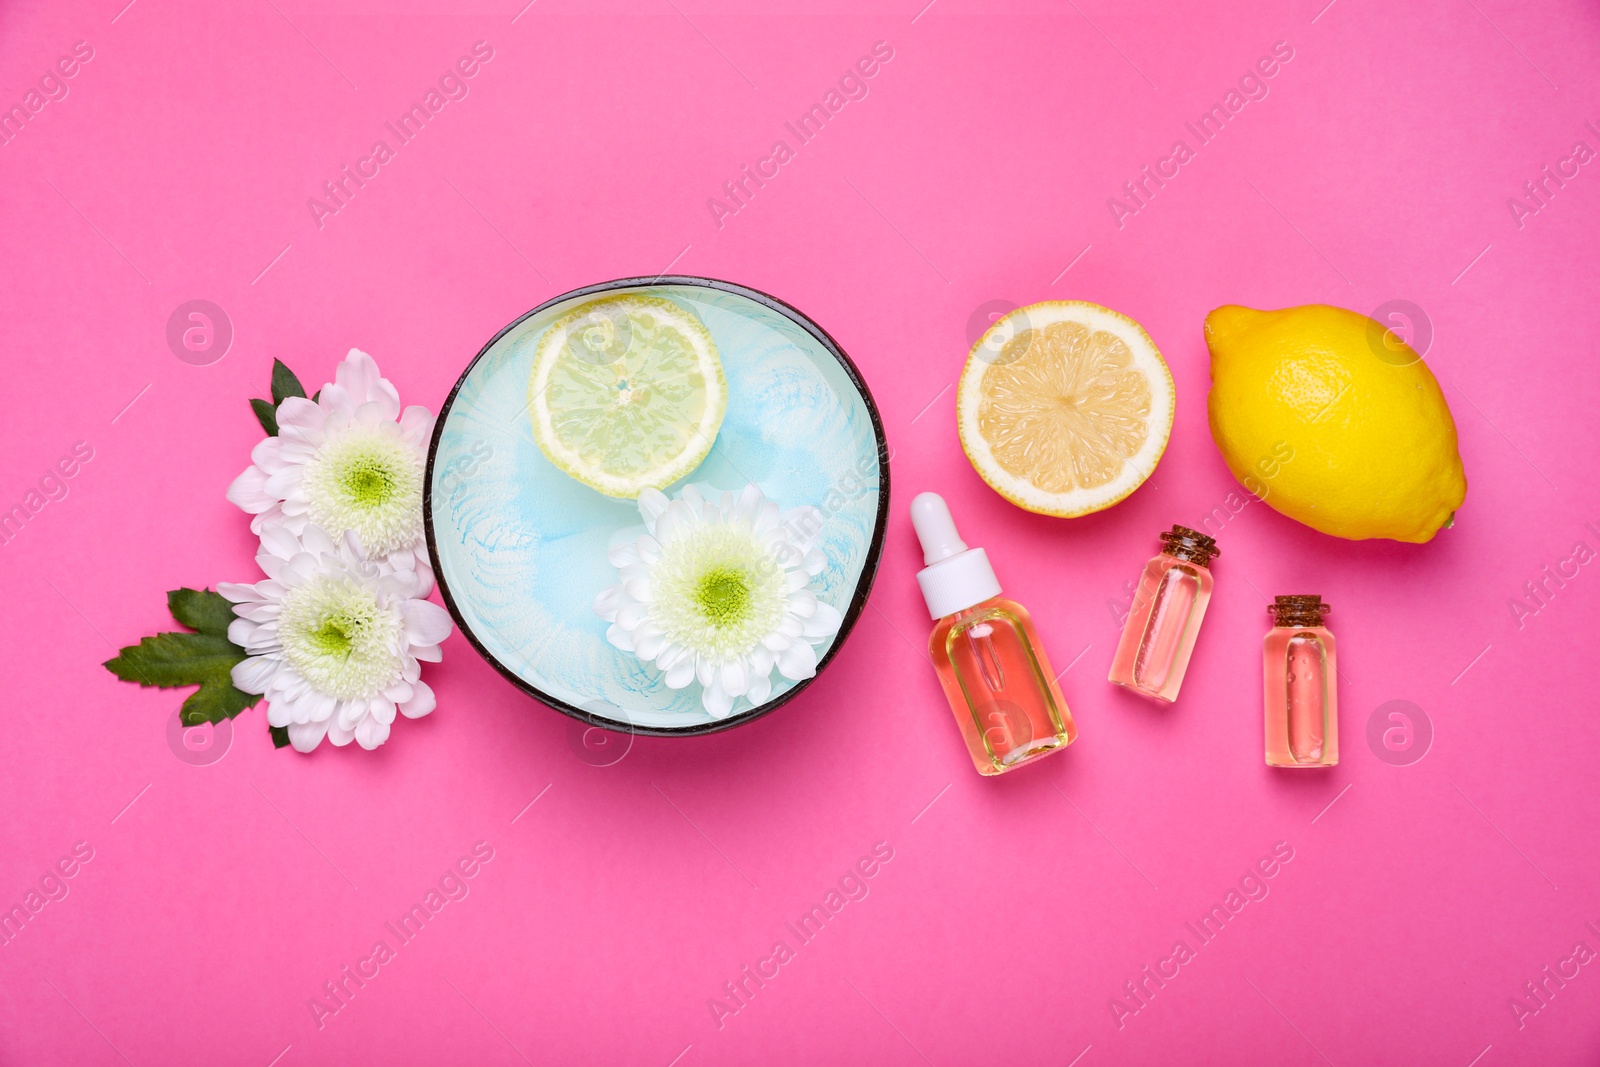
(1064, 407)
(627, 393)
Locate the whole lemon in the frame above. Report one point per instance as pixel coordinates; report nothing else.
(1333, 421)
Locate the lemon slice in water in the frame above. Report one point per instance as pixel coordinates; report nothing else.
(627, 393)
(1065, 407)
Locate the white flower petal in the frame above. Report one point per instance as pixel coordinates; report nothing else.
(239, 592)
(372, 414)
(803, 602)
(305, 736)
(652, 502)
(319, 542)
(382, 710)
(619, 637)
(299, 413)
(422, 701)
(760, 689)
(249, 491)
(767, 518)
(370, 733)
(279, 543)
(263, 612)
(718, 704)
(735, 678)
(240, 630)
(253, 673)
(317, 706)
(748, 505)
(607, 601)
(680, 674)
(280, 713)
(676, 521)
(825, 622)
(349, 712)
(423, 570)
(426, 622)
(358, 375)
(798, 661)
(268, 454)
(416, 426)
(648, 640)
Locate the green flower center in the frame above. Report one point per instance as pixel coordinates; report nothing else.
(335, 634)
(340, 638)
(718, 591)
(368, 482)
(723, 596)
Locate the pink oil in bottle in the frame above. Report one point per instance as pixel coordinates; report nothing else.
(1300, 674)
(1162, 625)
(990, 661)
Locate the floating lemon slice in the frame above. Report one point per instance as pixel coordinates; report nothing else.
(1065, 407)
(627, 393)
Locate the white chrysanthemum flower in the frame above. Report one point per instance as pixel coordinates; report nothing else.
(719, 591)
(350, 462)
(334, 638)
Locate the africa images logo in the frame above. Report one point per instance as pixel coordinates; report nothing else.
(852, 85)
(1252, 86)
(452, 85)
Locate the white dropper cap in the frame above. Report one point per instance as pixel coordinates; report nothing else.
(956, 577)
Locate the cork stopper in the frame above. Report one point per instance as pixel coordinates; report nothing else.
(1191, 546)
(1298, 610)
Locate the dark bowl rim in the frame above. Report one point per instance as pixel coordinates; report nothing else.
(869, 569)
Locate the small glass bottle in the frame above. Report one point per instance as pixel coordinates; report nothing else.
(1164, 621)
(1301, 699)
(986, 651)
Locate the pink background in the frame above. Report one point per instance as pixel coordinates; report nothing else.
(220, 898)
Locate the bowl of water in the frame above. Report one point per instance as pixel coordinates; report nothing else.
(519, 547)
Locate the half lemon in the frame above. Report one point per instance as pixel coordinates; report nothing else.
(1065, 407)
(627, 393)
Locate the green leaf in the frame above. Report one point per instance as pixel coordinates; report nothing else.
(284, 383)
(202, 610)
(280, 736)
(204, 659)
(266, 414)
(214, 701)
(174, 659)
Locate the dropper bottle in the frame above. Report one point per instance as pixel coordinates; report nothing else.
(986, 652)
